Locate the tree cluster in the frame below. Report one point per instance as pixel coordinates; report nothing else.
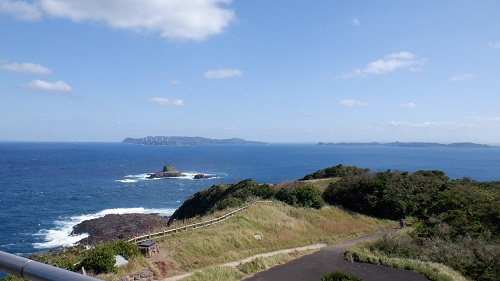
(222, 196)
(458, 220)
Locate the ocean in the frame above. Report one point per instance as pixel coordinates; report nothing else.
(47, 188)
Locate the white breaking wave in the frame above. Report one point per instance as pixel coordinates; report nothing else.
(60, 235)
(126, 181)
(134, 178)
(190, 175)
(187, 176)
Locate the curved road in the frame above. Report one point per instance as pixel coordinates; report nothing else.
(328, 259)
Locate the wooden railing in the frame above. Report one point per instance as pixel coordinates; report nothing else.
(172, 231)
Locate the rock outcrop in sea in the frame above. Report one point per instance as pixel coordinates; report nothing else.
(168, 172)
(201, 176)
(171, 172)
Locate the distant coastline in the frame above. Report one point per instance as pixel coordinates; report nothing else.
(179, 141)
(413, 144)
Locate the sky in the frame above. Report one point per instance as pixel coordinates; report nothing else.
(266, 70)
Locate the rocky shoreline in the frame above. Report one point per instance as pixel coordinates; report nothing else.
(115, 227)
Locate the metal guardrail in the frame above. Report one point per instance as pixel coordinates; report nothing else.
(168, 232)
(37, 271)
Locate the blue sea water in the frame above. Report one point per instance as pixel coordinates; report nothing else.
(47, 188)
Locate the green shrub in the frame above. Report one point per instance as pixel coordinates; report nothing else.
(230, 202)
(389, 194)
(100, 259)
(339, 276)
(339, 171)
(264, 191)
(308, 197)
(65, 257)
(302, 196)
(476, 258)
(125, 249)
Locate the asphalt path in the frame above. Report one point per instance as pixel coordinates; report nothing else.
(328, 259)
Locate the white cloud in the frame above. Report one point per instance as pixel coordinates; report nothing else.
(424, 124)
(175, 81)
(352, 103)
(172, 19)
(483, 120)
(469, 122)
(494, 45)
(401, 55)
(26, 68)
(167, 102)
(408, 105)
(21, 10)
(59, 86)
(458, 78)
(356, 22)
(391, 62)
(223, 73)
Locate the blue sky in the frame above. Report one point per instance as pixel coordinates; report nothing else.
(273, 70)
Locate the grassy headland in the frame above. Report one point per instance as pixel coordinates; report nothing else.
(456, 224)
(280, 226)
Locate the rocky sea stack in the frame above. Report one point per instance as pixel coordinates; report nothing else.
(168, 172)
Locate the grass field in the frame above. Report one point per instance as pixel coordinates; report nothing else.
(280, 227)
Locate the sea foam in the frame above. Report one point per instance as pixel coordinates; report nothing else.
(186, 176)
(60, 235)
(134, 178)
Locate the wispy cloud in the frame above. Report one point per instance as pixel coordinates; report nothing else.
(424, 124)
(223, 73)
(59, 86)
(26, 68)
(352, 103)
(409, 105)
(175, 81)
(21, 10)
(494, 45)
(166, 102)
(391, 62)
(469, 122)
(482, 120)
(173, 19)
(356, 21)
(463, 77)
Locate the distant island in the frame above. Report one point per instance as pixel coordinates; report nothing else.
(178, 141)
(412, 144)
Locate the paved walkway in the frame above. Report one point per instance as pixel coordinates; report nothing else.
(249, 259)
(328, 259)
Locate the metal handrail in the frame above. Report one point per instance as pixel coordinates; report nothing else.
(37, 271)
